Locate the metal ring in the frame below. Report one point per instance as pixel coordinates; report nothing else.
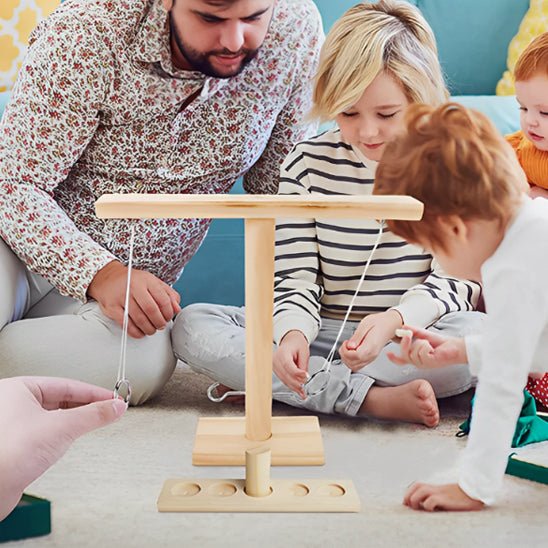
(128, 387)
(218, 399)
(317, 383)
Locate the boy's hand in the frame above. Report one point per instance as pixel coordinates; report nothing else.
(370, 337)
(290, 361)
(422, 496)
(428, 350)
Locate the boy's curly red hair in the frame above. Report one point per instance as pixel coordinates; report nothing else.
(455, 161)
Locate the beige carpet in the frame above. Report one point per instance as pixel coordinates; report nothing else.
(104, 490)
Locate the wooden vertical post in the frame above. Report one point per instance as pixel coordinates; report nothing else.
(259, 300)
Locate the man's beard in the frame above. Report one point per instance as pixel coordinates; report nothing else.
(200, 61)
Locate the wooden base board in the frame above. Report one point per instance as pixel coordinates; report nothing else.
(220, 495)
(295, 441)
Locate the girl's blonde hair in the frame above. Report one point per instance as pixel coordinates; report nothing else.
(455, 161)
(369, 38)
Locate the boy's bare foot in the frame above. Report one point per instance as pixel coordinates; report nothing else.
(414, 401)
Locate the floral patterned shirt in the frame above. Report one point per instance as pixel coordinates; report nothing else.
(97, 109)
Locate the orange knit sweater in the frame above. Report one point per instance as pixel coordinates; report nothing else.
(533, 161)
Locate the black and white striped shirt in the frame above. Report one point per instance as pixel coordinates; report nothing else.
(319, 262)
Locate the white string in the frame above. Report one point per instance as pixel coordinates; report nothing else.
(327, 363)
(122, 363)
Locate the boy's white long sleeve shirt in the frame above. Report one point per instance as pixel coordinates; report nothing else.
(513, 343)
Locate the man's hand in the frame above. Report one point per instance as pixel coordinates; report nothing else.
(422, 496)
(39, 418)
(290, 361)
(370, 337)
(152, 303)
(428, 350)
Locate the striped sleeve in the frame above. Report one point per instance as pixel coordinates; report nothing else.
(297, 281)
(437, 295)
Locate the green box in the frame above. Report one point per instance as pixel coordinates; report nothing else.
(30, 518)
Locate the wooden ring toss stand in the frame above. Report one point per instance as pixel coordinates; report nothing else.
(258, 440)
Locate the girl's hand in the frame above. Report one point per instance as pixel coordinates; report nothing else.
(370, 337)
(290, 361)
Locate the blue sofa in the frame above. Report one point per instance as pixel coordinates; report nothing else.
(473, 38)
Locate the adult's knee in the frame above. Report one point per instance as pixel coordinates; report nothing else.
(14, 288)
(150, 364)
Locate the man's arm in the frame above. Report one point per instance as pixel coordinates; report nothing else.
(51, 118)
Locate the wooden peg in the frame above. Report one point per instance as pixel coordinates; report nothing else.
(257, 472)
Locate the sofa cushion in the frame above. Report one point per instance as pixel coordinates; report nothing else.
(473, 38)
(503, 111)
(534, 22)
(17, 19)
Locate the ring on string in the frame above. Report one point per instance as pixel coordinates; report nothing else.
(128, 388)
(318, 381)
(218, 399)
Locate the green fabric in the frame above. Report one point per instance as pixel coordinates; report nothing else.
(530, 428)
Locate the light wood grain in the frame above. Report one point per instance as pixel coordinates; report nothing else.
(228, 495)
(259, 304)
(257, 472)
(247, 206)
(295, 441)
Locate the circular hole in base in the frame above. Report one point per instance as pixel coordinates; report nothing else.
(223, 489)
(185, 489)
(332, 490)
(299, 490)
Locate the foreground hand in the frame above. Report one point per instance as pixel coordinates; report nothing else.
(152, 303)
(39, 419)
(370, 337)
(290, 361)
(422, 496)
(428, 350)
